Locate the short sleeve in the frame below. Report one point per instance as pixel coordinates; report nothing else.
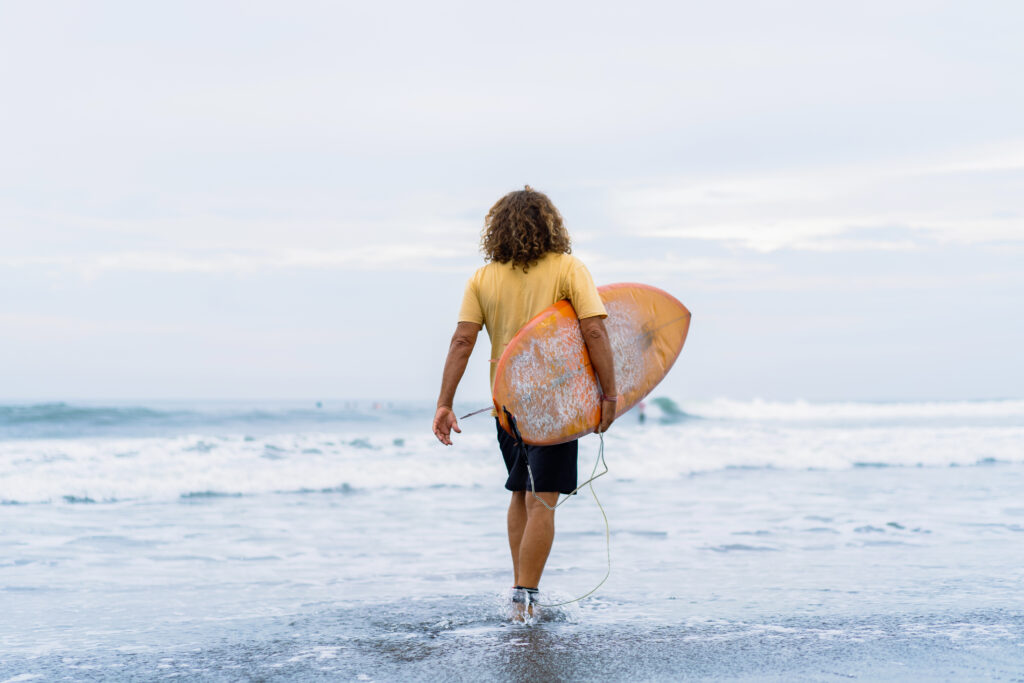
(582, 293)
(471, 312)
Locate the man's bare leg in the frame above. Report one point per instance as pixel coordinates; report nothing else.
(516, 527)
(537, 538)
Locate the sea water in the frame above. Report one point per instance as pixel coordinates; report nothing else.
(749, 540)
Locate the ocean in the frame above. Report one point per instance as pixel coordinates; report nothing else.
(749, 540)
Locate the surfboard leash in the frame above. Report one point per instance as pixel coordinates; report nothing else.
(521, 445)
(476, 412)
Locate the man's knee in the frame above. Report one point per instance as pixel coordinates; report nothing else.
(536, 507)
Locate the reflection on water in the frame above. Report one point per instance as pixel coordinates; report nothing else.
(463, 639)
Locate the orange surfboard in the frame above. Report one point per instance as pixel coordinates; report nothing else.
(545, 379)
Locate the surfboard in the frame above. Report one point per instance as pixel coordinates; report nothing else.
(544, 376)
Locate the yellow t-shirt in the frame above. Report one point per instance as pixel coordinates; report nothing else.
(503, 298)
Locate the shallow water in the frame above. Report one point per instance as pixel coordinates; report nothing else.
(364, 561)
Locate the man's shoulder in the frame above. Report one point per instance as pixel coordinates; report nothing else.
(563, 262)
(570, 263)
(481, 271)
(487, 276)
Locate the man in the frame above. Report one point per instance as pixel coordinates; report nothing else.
(529, 268)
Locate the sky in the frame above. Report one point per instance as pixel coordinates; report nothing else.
(284, 200)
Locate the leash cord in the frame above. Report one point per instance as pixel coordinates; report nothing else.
(476, 412)
(533, 487)
(607, 529)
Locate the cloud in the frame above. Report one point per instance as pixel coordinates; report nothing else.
(710, 269)
(967, 198)
(408, 257)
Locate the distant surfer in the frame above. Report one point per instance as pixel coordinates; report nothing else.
(529, 267)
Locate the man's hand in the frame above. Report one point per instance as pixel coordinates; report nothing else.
(608, 410)
(444, 423)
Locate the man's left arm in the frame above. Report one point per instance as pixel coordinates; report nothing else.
(459, 351)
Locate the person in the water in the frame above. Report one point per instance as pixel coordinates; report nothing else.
(529, 268)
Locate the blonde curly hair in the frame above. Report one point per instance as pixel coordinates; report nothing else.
(521, 227)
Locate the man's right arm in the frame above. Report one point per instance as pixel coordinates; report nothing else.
(459, 351)
(595, 336)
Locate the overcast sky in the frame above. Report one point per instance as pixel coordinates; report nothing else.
(253, 199)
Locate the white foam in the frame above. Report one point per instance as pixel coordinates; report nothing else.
(758, 409)
(678, 450)
(165, 468)
(59, 470)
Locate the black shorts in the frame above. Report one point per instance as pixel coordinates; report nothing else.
(554, 467)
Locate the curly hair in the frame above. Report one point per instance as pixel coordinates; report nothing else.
(521, 227)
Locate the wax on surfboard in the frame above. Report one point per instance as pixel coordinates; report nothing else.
(544, 376)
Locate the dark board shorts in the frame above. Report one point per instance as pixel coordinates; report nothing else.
(554, 467)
